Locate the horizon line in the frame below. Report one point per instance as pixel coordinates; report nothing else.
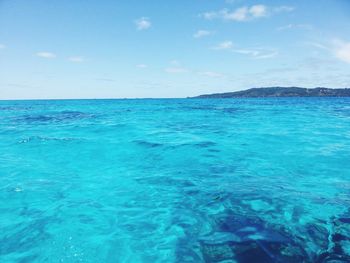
(158, 98)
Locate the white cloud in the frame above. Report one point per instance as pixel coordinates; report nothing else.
(341, 50)
(211, 74)
(245, 13)
(76, 59)
(258, 11)
(202, 33)
(254, 53)
(283, 8)
(143, 23)
(209, 15)
(338, 48)
(266, 54)
(240, 14)
(317, 45)
(258, 53)
(176, 67)
(141, 66)
(45, 54)
(2, 46)
(176, 70)
(247, 52)
(295, 26)
(224, 45)
(175, 62)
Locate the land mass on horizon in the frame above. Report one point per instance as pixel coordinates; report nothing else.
(267, 92)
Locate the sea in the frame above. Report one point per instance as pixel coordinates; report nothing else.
(175, 180)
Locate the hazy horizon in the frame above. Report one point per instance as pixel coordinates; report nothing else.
(89, 50)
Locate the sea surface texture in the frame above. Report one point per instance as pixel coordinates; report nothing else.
(182, 180)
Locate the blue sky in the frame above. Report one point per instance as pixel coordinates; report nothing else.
(158, 48)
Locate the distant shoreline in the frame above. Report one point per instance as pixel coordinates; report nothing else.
(279, 92)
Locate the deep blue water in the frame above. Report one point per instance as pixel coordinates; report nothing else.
(241, 180)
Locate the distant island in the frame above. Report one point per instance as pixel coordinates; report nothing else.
(269, 92)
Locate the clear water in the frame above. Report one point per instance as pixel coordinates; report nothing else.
(243, 180)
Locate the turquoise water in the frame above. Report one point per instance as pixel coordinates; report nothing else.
(242, 180)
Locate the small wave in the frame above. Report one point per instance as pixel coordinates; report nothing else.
(14, 108)
(42, 139)
(205, 144)
(147, 143)
(54, 117)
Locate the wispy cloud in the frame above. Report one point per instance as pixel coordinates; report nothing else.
(105, 79)
(141, 66)
(76, 59)
(175, 62)
(245, 13)
(45, 54)
(242, 14)
(317, 45)
(143, 23)
(255, 53)
(2, 46)
(176, 70)
(211, 74)
(224, 45)
(202, 33)
(283, 8)
(258, 53)
(341, 50)
(295, 26)
(257, 11)
(264, 54)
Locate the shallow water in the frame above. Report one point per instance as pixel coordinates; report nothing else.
(241, 180)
